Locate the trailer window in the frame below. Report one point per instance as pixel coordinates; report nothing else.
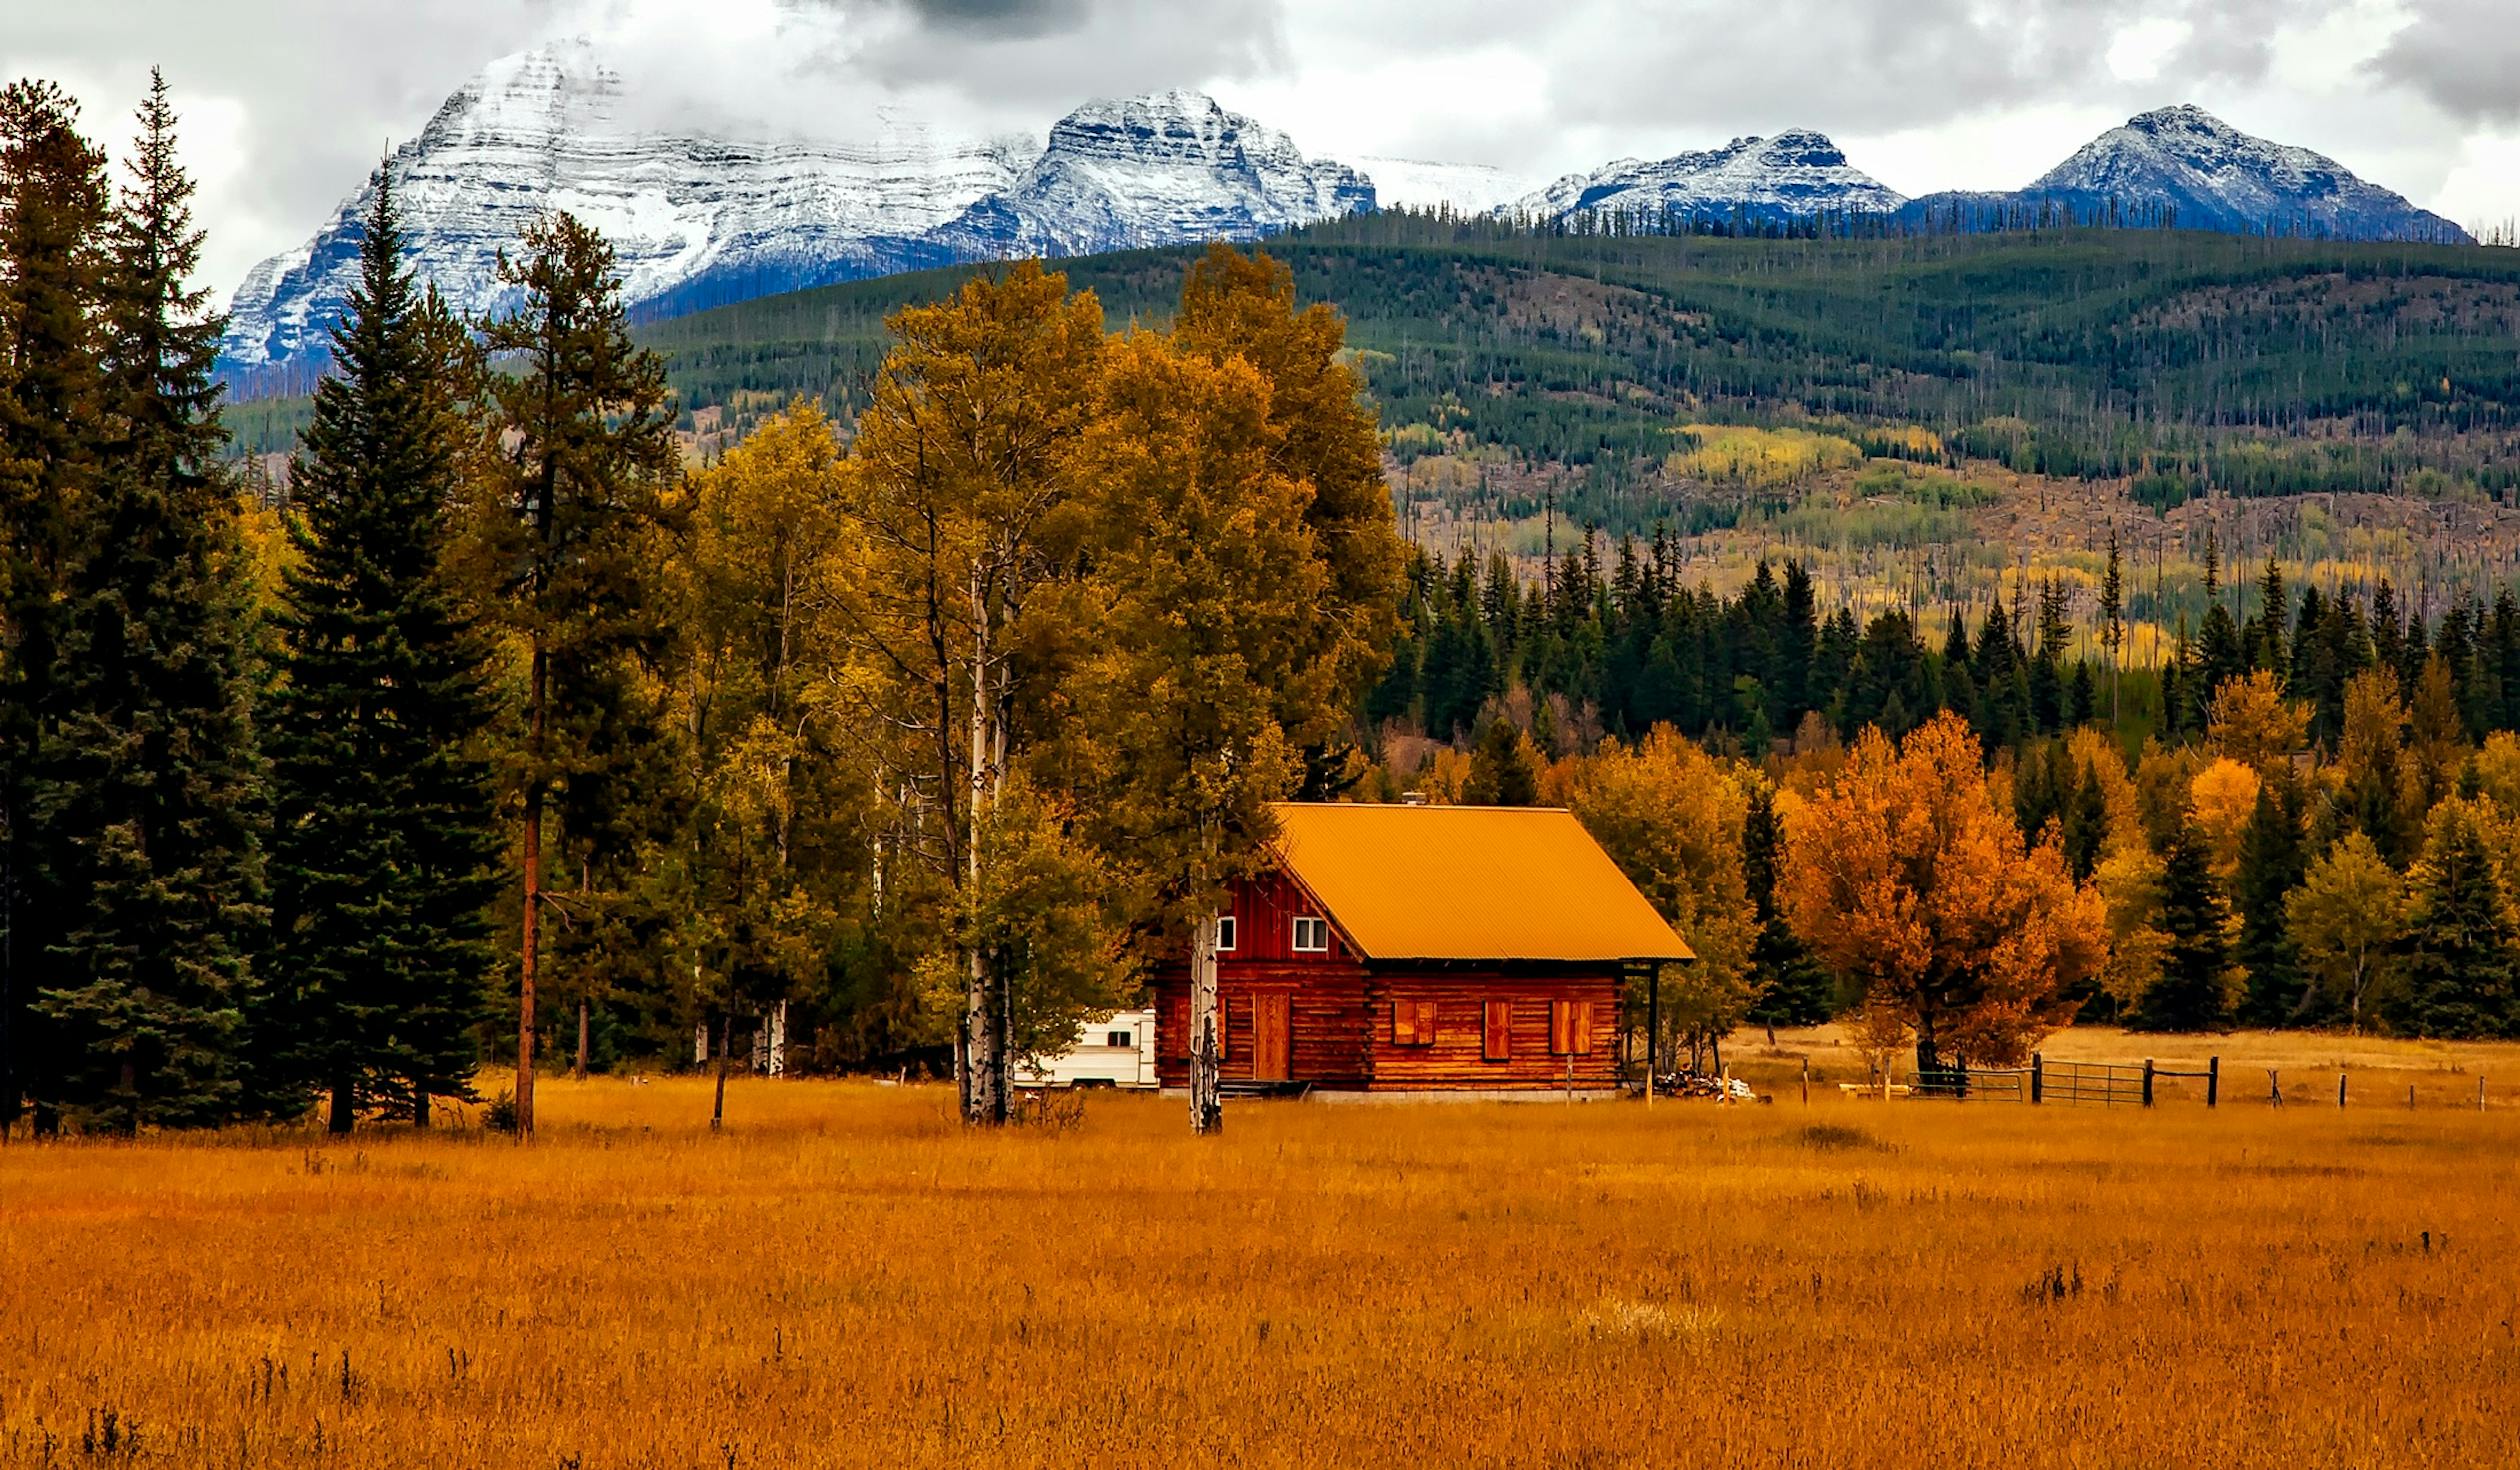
(1119, 1038)
(1312, 935)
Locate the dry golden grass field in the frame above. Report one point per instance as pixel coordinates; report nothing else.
(846, 1277)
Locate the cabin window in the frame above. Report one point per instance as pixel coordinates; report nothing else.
(1224, 932)
(1413, 1023)
(1496, 1033)
(1312, 935)
(1571, 1028)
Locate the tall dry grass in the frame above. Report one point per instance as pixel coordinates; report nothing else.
(846, 1277)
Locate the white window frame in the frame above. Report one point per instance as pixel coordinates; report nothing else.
(1225, 935)
(1321, 929)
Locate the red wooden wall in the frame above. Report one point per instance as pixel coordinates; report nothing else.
(1340, 1012)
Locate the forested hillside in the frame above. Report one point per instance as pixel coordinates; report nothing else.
(2186, 360)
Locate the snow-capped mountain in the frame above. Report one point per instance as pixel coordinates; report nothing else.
(545, 130)
(1464, 188)
(704, 216)
(698, 220)
(1794, 175)
(1155, 170)
(2182, 165)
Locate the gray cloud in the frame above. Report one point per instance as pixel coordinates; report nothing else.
(2462, 56)
(1054, 54)
(1015, 18)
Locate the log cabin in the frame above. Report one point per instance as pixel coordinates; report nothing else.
(1422, 949)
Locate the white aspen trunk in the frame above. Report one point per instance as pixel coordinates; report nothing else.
(699, 1041)
(1207, 1104)
(984, 1093)
(778, 1040)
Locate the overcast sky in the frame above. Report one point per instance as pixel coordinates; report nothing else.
(287, 103)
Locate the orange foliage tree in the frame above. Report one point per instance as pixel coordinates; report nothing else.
(1906, 878)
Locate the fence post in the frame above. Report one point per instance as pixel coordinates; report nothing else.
(2480, 1092)
(2148, 1081)
(2340, 1089)
(2213, 1079)
(2274, 1088)
(2038, 1077)
(1806, 1082)
(2410, 1094)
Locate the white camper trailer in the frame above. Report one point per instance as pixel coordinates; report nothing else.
(1117, 1050)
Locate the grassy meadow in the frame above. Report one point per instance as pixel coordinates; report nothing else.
(844, 1276)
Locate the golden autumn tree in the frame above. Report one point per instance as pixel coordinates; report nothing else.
(1194, 689)
(1321, 435)
(961, 504)
(1671, 817)
(2252, 723)
(774, 834)
(1907, 879)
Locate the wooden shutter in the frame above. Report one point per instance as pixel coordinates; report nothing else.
(1426, 1023)
(1404, 1027)
(1580, 1021)
(1497, 1034)
(1561, 1027)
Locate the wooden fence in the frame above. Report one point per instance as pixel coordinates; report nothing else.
(2093, 1084)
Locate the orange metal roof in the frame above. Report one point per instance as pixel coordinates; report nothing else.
(1469, 883)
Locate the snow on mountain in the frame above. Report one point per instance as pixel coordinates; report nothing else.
(1167, 168)
(700, 220)
(542, 130)
(2202, 173)
(2219, 177)
(1796, 174)
(1467, 188)
(701, 217)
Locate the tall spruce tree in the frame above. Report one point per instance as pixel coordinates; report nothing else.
(151, 783)
(2460, 955)
(2193, 991)
(587, 449)
(1794, 990)
(53, 208)
(386, 839)
(2273, 862)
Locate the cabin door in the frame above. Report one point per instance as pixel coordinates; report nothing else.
(1272, 1046)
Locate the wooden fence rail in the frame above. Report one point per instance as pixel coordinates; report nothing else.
(2099, 1084)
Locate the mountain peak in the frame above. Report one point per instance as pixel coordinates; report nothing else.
(1792, 175)
(2185, 115)
(2212, 175)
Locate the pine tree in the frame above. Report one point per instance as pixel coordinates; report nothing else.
(2082, 700)
(152, 782)
(2273, 861)
(386, 836)
(1502, 772)
(588, 447)
(2086, 825)
(53, 208)
(2460, 946)
(2268, 650)
(2193, 991)
(1793, 988)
